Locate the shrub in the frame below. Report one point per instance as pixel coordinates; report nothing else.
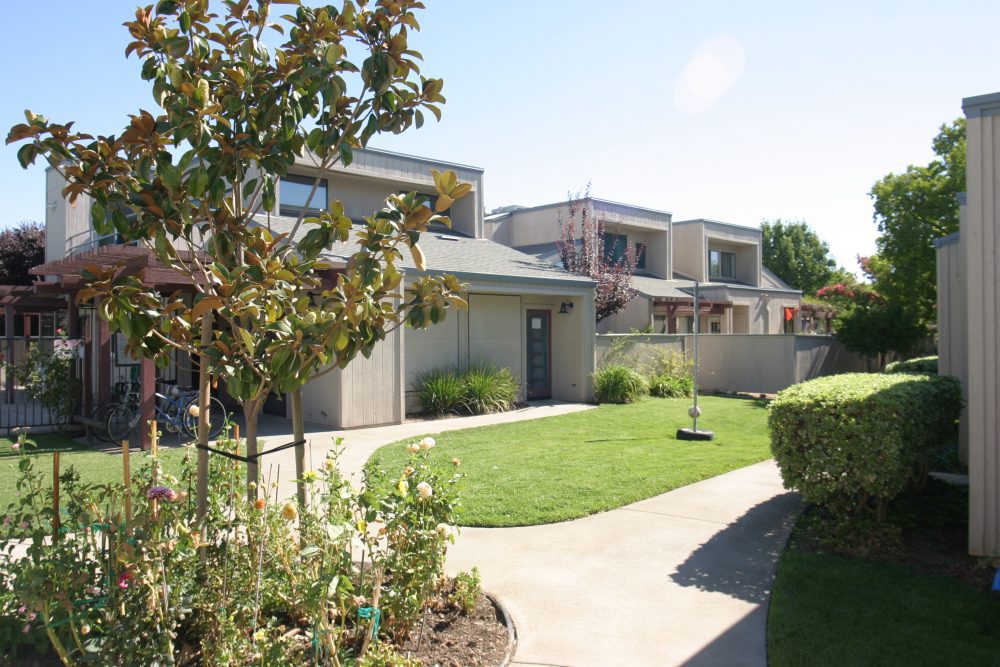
(671, 386)
(178, 582)
(618, 384)
(488, 389)
(918, 365)
(468, 586)
(854, 442)
(440, 390)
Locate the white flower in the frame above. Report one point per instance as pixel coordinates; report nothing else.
(413, 448)
(443, 530)
(424, 490)
(427, 443)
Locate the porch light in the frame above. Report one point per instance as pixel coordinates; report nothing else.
(694, 412)
(565, 307)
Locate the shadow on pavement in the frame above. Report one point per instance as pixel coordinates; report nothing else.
(740, 560)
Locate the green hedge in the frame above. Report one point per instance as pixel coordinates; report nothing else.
(854, 442)
(619, 384)
(918, 365)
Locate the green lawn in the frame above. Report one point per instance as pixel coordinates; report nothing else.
(94, 466)
(903, 609)
(565, 467)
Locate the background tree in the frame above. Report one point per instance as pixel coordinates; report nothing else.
(21, 248)
(911, 210)
(587, 255)
(797, 255)
(869, 324)
(195, 184)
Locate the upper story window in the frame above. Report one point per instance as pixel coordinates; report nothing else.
(430, 201)
(294, 191)
(640, 255)
(615, 246)
(721, 264)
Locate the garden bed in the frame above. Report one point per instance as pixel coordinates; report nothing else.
(449, 638)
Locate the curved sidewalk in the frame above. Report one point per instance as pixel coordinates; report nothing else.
(683, 578)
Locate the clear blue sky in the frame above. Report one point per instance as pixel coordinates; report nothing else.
(733, 111)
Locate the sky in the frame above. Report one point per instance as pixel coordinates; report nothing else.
(736, 111)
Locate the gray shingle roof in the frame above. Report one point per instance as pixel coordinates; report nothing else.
(448, 251)
(660, 288)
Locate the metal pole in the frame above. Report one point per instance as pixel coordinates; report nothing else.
(697, 327)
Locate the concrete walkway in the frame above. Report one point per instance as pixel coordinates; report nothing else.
(680, 579)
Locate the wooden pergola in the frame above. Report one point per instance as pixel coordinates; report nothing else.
(680, 307)
(66, 279)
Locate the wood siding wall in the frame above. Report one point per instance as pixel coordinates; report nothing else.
(981, 239)
(952, 331)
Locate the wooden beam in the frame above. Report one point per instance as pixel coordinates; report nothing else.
(147, 382)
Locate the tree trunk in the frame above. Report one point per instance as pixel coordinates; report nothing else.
(251, 411)
(204, 387)
(299, 435)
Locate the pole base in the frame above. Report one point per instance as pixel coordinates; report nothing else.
(691, 434)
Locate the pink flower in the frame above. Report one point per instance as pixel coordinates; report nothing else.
(16, 446)
(24, 525)
(161, 493)
(27, 628)
(123, 579)
(6, 521)
(22, 609)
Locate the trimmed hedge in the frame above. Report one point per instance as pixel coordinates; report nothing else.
(619, 384)
(855, 441)
(918, 365)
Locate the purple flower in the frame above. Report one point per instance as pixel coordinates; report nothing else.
(27, 628)
(22, 609)
(161, 493)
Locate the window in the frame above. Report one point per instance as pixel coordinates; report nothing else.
(715, 325)
(294, 191)
(659, 324)
(640, 255)
(430, 201)
(721, 264)
(614, 247)
(685, 324)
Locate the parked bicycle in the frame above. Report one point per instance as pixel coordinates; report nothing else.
(176, 413)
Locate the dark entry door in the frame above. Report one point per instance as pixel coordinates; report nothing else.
(539, 354)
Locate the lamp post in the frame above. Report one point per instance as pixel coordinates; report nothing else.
(694, 411)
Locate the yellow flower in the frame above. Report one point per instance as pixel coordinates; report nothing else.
(403, 486)
(289, 512)
(309, 476)
(330, 464)
(427, 443)
(362, 525)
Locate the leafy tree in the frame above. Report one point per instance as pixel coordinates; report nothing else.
(587, 255)
(21, 248)
(911, 210)
(797, 255)
(195, 184)
(869, 324)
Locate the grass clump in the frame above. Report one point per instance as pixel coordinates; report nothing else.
(481, 389)
(619, 384)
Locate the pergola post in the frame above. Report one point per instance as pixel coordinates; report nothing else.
(8, 316)
(103, 360)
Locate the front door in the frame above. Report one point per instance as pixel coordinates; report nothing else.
(539, 354)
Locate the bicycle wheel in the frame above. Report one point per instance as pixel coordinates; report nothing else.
(121, 420)
(216, 418)
(100, 413)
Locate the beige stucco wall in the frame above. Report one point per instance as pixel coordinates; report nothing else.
(751, 363)
(636, 316)
(981, 238)
(688, 240)
(952, 332)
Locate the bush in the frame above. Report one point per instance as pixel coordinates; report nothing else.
(671, 386)
(918, 365)
(618, 384)
(440, 391)
(467, 588)
(256, 582)
(854, 442)
(488, 389)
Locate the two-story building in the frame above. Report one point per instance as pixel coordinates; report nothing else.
(523, 313)
(737, 294)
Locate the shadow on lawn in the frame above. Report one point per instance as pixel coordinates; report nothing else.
(740, 560)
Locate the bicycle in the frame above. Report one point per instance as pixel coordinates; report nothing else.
(177, 413)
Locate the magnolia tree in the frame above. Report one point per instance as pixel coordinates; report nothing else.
(587, 255)
(195, 181)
